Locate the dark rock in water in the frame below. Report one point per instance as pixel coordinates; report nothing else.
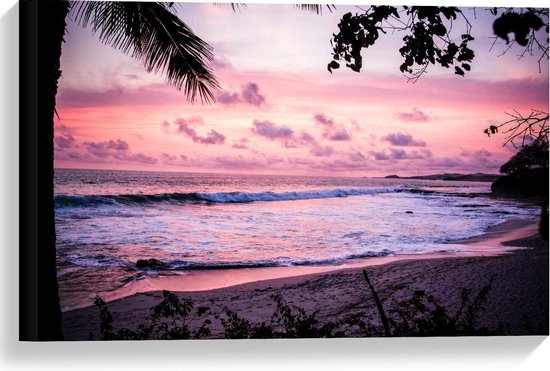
(151, 264)
(408, 212)
(422, 191)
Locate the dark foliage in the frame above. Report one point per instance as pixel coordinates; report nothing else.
(533, 155)
(427, 39)
(288, 321)
(170, 319)
(428, 36)
(421, 315)
(525, 24)
(526, 175)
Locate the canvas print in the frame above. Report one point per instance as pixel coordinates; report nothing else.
(260, 171)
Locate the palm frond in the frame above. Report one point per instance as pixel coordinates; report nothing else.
(314, 8)
(234, 6)
(151, 33)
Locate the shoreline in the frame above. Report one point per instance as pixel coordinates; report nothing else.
(487, 244)
(332, 289)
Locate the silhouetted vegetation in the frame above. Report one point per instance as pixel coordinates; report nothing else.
(428, 35)
(526, 175)
(520, 130)
(531, 156)
(170, 319)
(287, 321)
(421, 315)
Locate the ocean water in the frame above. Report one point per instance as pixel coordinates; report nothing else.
(107, 220)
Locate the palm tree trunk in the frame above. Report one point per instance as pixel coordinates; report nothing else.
(51, 30)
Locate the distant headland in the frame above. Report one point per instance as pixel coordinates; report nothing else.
(477, 177)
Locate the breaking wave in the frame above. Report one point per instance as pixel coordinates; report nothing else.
(218, 197)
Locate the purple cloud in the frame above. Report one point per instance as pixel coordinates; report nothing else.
(307, 138)
(271, 130)
(343, 165)
(479, 154)
(415, 115)
(135, 157)
(64, 141)
(185, 127)
(240, 144)
(332, 131)
(357, 156)
(213, 137)
(107, 148)
(400, 154)
(321, 119)
(228, 98)
(231, 162)
(490, 160)
(168, 157)
(67, 156)
(115, 149)
(319, 151)
(289, 138)
(249, 94)
(241, 162)
(379, 156)
(340, 135)
(447, 162)
(403, 140)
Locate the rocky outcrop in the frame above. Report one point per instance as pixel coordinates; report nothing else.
(151, 264)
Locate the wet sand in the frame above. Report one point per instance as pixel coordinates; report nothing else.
(518, 298)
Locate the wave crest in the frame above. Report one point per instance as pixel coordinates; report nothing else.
(218, 197)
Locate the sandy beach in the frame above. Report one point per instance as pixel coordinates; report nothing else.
(511, 252)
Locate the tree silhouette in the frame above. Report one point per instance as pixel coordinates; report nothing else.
(533, 155)
(149, 32)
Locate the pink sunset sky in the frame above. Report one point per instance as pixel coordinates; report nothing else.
(279, 110)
